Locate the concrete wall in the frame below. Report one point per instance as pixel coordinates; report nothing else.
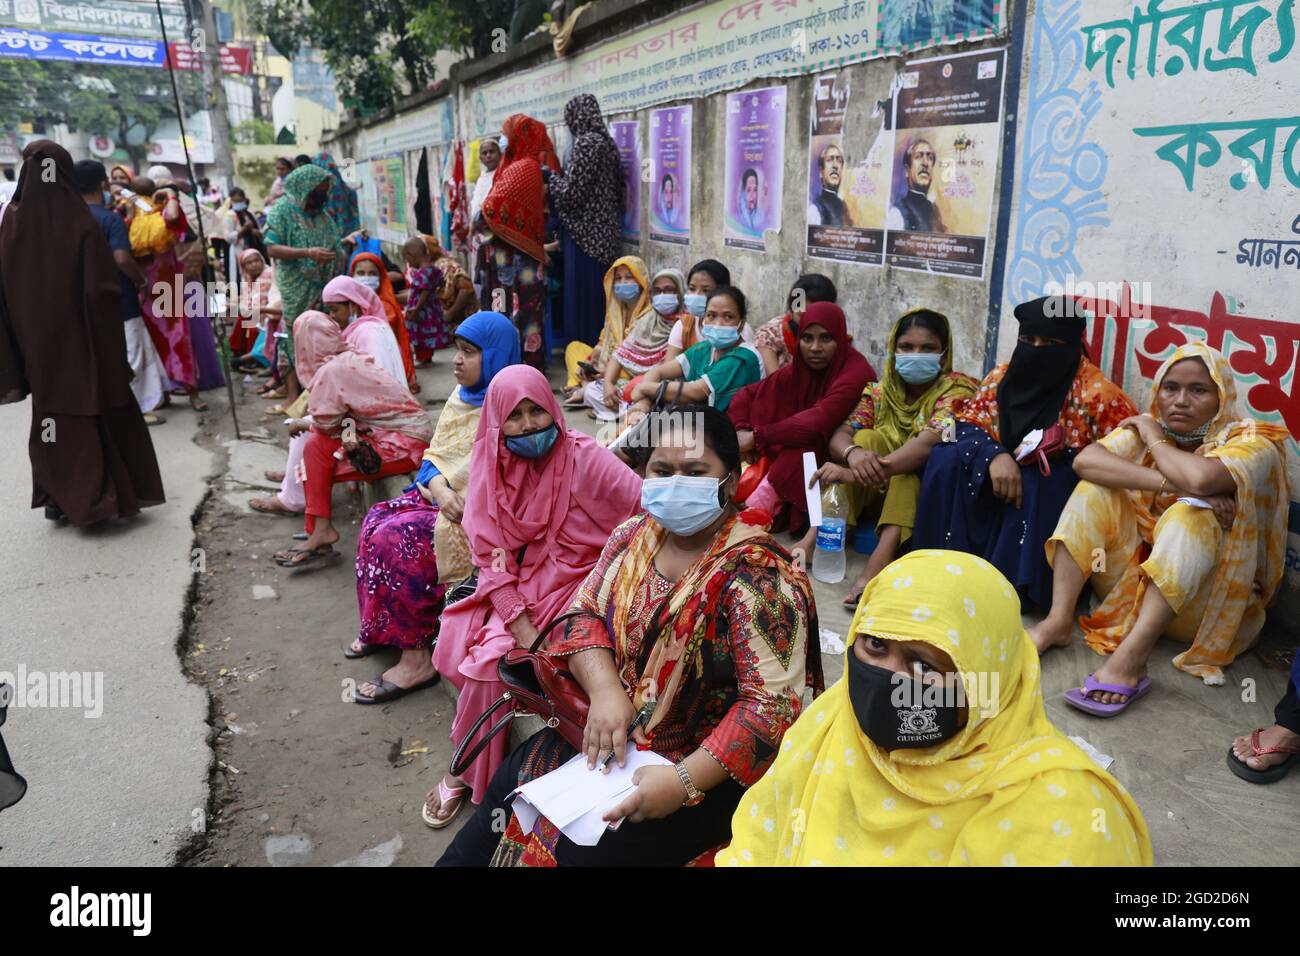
(872, 296)
(1095, 209)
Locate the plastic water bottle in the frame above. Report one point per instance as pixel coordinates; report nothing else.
(828, 558)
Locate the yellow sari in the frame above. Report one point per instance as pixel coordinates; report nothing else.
(1249, 560)
(1008, 790)
(453, 440)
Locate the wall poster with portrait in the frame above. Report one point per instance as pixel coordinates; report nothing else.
(848, 177)
(670, 175)
(627, 135)
(947, 140)
(755, 169)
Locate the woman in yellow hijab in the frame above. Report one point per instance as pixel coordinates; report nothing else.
(895, 765)
(627, 298)
(884, 445)
(1190, 497)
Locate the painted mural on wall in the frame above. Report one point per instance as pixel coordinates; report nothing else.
(1158, 177)
(725, 45)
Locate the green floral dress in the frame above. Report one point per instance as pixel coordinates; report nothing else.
(301, 281)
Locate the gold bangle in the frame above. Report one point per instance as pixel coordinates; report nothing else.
(1163, 483)
(1151, 448)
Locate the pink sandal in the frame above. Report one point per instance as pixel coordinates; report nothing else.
(445, 795)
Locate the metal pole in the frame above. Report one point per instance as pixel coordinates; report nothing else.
(203, 239)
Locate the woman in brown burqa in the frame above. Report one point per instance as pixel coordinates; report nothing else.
(62, 341)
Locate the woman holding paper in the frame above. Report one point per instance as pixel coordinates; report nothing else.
(998, 490)
(700, 630)
(970, 772)
(1180, 523)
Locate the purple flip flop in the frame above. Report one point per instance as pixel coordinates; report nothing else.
(1080, 700)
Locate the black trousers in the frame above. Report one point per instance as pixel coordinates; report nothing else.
(672, 841)
(1287, 711)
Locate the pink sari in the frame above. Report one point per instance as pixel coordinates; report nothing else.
(559, 510)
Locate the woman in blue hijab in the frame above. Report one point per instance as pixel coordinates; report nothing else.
(412, 547)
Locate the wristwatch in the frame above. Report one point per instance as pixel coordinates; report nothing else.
(693, 796)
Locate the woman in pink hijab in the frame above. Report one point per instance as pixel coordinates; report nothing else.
(354, 405)
(536, 490)
(360, 314)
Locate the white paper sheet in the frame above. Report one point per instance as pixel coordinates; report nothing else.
(814, 493)
(1028, 444)
(1102, 760)
(831, 642)
(575, 798)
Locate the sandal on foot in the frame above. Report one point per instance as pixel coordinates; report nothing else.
(274, 393)
(366, 651)
(260, 505)
(272, 475)
(851, 602)
(316, 557)
(198, 404)
(1273, 773)
(1079, 699)
(445, 795)
(151, 419)
(388, 691)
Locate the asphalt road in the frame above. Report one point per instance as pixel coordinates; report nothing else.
(126, 786)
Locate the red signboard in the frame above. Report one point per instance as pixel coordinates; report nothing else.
(234, 59)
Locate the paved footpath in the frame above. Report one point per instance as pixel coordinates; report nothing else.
(126, 787)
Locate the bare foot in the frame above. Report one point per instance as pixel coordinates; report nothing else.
(1275, 736)
(1116, 670)
(1049, 633)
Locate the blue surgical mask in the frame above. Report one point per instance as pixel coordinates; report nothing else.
(720, 336)
(533, 444)
(626, 291)
(370, 282)
(665, 303)
(682, 504)
(503, 141)
(915, 368)
(695, 303)
(239, 206)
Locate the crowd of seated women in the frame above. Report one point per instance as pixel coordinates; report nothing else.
(986, 497)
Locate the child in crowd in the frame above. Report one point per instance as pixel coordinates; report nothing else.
(425, 324)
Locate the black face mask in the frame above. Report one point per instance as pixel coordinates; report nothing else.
(873, 692)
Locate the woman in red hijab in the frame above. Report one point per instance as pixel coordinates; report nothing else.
(511, 265)
(368, 269)
(798, 407)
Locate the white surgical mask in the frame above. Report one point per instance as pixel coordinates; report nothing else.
(370, 282)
